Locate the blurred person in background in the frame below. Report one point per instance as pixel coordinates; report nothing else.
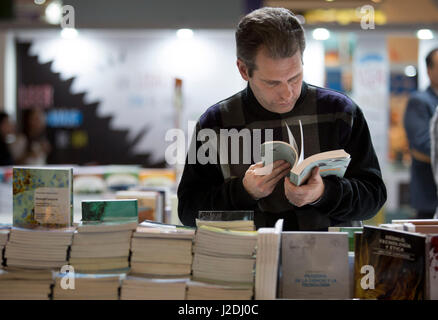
(32, 146)
(7, 130)
(419, 112)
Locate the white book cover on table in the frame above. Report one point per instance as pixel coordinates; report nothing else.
(314, 265)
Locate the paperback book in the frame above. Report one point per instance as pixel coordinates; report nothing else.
(334, 162)
(161, 250)
(108, 215)
(397, 261)
(267, 261)
(42, 197)
(314, 265)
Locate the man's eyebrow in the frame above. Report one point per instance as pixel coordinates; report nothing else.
(271, 81)
(276, 81)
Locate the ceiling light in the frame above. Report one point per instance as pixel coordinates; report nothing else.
(410, 71)
(184, 33)
(424, 34)
(54, 12)
(321, 34)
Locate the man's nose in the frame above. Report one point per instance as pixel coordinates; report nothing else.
(286, 92)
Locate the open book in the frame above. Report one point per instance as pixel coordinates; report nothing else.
(330, 162)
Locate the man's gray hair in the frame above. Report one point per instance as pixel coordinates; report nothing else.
(276, 29)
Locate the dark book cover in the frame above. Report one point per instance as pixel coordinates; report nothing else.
(391, 265)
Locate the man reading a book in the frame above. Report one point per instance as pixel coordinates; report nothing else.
(270, 45)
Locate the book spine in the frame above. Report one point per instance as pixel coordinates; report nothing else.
(294, 179)
(71, 196)
(427, 267)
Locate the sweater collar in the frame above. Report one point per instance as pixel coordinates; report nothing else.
(254, 106)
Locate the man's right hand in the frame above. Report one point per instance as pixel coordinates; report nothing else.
(259, 181)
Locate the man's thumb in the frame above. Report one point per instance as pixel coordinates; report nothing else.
(315, 173)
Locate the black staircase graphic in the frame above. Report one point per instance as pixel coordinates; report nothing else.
(105, 145)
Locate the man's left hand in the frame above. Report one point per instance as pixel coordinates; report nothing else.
(306, 193)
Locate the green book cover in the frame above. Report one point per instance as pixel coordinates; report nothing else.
(350, 231)
(42, 197)
(119, 210)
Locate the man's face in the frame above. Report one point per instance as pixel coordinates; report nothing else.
(276, 83)
(433, 72)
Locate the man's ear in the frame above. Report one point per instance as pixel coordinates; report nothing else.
(242, 69)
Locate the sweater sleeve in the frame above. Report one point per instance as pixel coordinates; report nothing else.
(361, 192)
(202, 187)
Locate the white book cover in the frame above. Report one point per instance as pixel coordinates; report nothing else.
(314, 265)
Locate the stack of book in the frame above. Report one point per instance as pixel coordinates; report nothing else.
(101, 243)
(41, 234)
(139, 288)
(42, 218)
(224, 257)
(237, 225)
(38, 248)
(25, 284)
(161, 250)
(86, 286)
(267, 261)
(232, 220)
(197, 290)
(4, 236)
(426, 226)
(101, 249)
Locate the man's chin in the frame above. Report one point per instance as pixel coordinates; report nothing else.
(283, 108)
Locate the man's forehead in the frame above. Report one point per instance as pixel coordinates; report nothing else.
(275, 69)
(435, 56)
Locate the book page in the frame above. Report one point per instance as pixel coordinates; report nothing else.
(293, 142)
(272, 151)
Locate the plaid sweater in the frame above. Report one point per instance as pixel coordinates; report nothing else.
(330, 121)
